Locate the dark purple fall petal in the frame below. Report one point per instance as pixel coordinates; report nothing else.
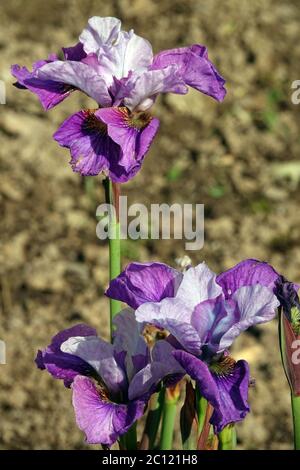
(49, 92)
(102, 421)
(63, 365)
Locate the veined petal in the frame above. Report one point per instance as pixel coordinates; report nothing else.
(79, 75)
(133, 134)
(173, 315)
(206, 316)
(91, 148)
(49, 92)
(226, 391)
(98, 32)
(199, 372)
(100, 355)
(163, 366)
(149, 84)
(102, 421)
(255, 304)
(62, 365)
(195, 69)
(144, 282)
(247, 273)
(198, 284)
(127, 337)
(233, 396)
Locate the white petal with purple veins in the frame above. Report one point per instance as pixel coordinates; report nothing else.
(100, 31)
(79, 75)
(100, 355)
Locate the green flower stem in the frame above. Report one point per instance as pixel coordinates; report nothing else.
(168, 420)
(112, 193)
(296, 420)
(129, 440)
(227, 438)
(153, 420)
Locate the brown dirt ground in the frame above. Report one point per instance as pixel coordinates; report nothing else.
(240, 158)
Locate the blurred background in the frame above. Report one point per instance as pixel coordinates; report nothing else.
(240, 158)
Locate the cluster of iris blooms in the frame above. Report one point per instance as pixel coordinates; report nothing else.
(173, 338)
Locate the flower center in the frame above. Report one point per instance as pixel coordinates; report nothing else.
(138, 119)
(223, 367)
(92, 123)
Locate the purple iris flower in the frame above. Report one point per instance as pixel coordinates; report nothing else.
(203, 314)
(111, 383)
(118, 70)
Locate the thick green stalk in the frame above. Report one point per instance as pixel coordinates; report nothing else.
(153, 420)
(129, 440)
(112, 193)
(168, 420)
(227, 438)
(296, 420)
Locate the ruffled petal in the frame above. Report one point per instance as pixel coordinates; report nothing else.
(134, 139)
(198, 284)
(206, 316)
(91, 148)
(173, 315)
(144, 282)
(102, 421)
(254, 304)
(79, 75)
(100, 356)
(195, 69)
(127, 338)
(100, 31)
(227, 391)
(233, 396)
(247, 273)
(62, 365)
(148, 85)
(49, 92)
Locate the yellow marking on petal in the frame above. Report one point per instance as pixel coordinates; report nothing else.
(223, 367)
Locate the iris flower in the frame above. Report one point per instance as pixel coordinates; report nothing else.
(111, 383)
(203, 314)
(119, 71)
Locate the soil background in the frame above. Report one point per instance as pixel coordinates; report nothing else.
(240, 158)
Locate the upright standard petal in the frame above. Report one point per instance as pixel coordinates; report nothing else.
(205, 318)
(148, 85)
(144, 282)
(60, 364)
(127, 338)
(247, 273)
(174, 316)
(79, 75)
(198, 284)
(102, 421)
(254, 304)
(100, 31)
(49, 92)
(100, 356)
(195, 69)
(162, 366)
